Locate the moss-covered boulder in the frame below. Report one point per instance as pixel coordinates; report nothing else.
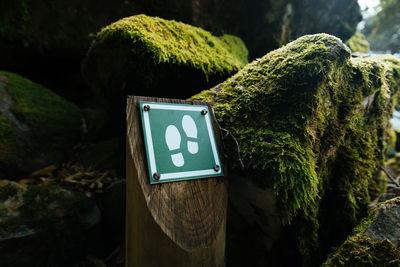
(151, 56)
(311, 123)
(358, 43)
(64, 29)
(44, 225)
(375, 242)
(36, 126)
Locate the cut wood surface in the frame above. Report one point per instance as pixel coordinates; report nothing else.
(171, 224)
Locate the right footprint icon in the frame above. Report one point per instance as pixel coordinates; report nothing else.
(173, 139)
(189, 126)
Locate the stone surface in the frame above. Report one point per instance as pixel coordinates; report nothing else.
(304, 133)
(386, 224)
(36, 126)
(44, 225)
(374, 241)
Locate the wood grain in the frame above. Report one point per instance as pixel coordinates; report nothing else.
(171, 224)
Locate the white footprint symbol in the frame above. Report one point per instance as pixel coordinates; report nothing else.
(173, 140)
(189, 126)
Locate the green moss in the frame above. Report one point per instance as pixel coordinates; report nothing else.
(49, 220)
(36, 126)
(49, 116)
(360, 250)
(58, 217)
(151, 56)
(358, 43)
(177, 43)
(43, 206)
(303, 130)
(10, 196)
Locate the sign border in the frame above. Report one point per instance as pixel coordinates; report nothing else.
(151, 162)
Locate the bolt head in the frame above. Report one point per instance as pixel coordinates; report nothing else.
(146, 107)
(216, 168)
(156, 176)
(204, 112)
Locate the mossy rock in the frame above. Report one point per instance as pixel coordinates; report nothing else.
(312, 126)
(358, 43)
(150, 56)
(374, 241)
(36, 126)
(43, 225)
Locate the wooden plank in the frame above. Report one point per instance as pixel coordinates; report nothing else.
(171, 224)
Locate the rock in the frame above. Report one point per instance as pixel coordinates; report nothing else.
(49, 224)
(304, 133)
(374, 242)
(150, 56)
(46, 42)
(63, 30)
(36, 126)
(358, 43)
(386, 224)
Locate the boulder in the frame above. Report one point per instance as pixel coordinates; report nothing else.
(150, 56)
(374, 242)
(63, 30)
(36, 126)
(44, 225)
(46, 42)
(311, 124)
(358, 43)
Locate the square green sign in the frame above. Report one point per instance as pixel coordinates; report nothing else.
(179, 141)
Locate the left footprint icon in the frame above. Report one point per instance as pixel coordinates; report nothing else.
(173, 140)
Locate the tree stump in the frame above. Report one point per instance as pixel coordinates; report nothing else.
(171, 224)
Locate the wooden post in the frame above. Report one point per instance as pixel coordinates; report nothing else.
(171, 224)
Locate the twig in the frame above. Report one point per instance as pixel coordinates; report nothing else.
(227, 132)
(389, 175)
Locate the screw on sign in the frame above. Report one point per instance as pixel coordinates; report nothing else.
(180, 142)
